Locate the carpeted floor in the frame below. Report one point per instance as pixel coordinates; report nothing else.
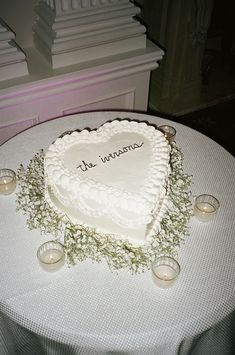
(217, 122)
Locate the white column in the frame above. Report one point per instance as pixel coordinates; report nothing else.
(12, 59)
(75, 31)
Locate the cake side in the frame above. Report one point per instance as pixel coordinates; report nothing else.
(113, 178)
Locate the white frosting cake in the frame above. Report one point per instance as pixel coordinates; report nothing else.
(113, 179)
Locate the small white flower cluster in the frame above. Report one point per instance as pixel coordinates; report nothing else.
(81, 242)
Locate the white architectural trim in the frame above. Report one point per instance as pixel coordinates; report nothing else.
(12, 59)
(140, 61)
(69, 32)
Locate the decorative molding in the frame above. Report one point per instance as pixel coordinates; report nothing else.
(120, 82)
(144, 60)
(66, 6)
(75, 31)
(12, 59)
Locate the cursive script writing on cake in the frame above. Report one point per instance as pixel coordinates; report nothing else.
(84, 166)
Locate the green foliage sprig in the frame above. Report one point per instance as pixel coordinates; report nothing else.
(82, 242)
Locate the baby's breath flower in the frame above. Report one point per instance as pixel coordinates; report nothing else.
(81, 242)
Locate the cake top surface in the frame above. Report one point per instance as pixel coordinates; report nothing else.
(117, 155)
(123, 166)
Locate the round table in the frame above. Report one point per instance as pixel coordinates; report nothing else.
(87, 309)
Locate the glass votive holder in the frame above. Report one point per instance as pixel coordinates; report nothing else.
(165, 271)
(169, 132)
(7, 181)
(205, 207)
(51, 256)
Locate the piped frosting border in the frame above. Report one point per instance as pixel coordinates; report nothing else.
(59, 178)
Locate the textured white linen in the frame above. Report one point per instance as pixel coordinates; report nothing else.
(87, 309)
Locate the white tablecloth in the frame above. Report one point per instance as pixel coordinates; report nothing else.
(87, 309)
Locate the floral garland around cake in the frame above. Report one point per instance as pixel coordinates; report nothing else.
(82, 242)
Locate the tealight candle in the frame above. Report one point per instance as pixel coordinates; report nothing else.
(205, 207)
(7, 181)
(169, 132)
(165, 271)
(51, 256)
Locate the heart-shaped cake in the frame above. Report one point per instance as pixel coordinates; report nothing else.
(113, 179)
